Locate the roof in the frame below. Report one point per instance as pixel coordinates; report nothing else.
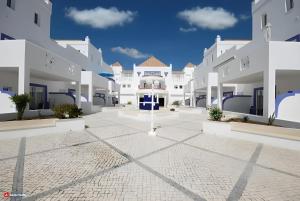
(190, 65)
(116, 64)
(152, 62)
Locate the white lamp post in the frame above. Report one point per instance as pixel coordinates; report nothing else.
(152, 129)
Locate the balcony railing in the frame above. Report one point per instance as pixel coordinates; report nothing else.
(150, 87)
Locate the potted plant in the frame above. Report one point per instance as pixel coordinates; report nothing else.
(176, 103)
(66, 111)
(215, 114)
(21, 102)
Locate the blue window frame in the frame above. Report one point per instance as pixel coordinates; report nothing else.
(295, 38)
(6, 37)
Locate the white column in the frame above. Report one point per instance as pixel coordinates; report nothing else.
(220, 95)
(208, 96)
(192, 95)
(269, 92)
(90, 93)
(138, 101)
(184, 98)
(78, 94)
(194, 99)
(23, 80)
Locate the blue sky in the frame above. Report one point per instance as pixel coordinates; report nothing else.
(175, 31)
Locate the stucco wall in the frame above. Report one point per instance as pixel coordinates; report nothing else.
(288, 108)
(239, 104)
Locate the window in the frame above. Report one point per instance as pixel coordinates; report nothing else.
(176, 87)
(128, 86)
(180, 86)
(124, 85)
(264, 20)
(36, 19)
(10, 4)
(289, 5)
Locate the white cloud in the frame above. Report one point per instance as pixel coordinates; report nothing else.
(191, 29)
(131, 52)
(101, 18)
(244, 17)
(209, 18)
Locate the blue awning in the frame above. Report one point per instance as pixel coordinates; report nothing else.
(106, 74)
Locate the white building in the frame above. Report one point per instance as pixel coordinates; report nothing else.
(136, 83)
(262, 74)
(52, 72)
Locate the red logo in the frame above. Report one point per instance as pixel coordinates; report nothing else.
(6, 194)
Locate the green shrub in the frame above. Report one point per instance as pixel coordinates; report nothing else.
(245, 119)
(21, 102)
(66, 111)
(172, 109)
(176, 103)
(215, 114)
(129, 103)
(271, 119)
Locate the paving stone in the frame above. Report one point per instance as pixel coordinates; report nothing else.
(7, 168)
(271, 186)
(209, 175)
(54, 141)
(77, 166)
(139, 144)
(9, 148)
(51, 169)
(226, 146)
(129, 182)
(112, 131)
(280, 159)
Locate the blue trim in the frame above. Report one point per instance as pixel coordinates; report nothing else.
(228, 93)
(295, 38)
(71, 91)
(6, 37)
(46, 105)
(11, 93)
(281, 97)
(254, 97)
(67, 94)
(106, 75)
(235, 96)
(100, 95)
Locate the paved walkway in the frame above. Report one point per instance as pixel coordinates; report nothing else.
(115, 159)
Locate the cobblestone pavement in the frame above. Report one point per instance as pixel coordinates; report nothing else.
(115, 159)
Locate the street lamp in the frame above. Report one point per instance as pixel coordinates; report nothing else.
(152, 129)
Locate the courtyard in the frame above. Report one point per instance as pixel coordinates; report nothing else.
(115, 159)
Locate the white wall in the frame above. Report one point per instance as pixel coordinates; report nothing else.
(9, 79)
(289, 108)
(19, 22)
(285, 25)
(238, 104)
(7, 106)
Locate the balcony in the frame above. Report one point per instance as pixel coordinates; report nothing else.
(159, 87)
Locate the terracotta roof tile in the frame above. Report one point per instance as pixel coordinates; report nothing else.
(116, 64)
(152, 62)
(190, 65)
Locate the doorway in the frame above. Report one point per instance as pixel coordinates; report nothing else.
(259, 101)
(161, 102)
(38, 95)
